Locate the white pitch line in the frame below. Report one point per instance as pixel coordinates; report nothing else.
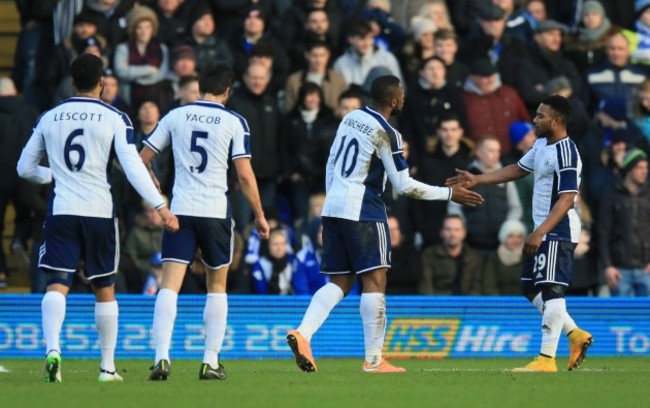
(507, 370)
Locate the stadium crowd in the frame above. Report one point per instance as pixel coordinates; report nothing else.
(474, 72)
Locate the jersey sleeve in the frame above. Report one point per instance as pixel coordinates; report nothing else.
(567, 168)
(27, 166)
(160, 138)
(391, 153)
(241, 140)
(527, 162)
(134, 168)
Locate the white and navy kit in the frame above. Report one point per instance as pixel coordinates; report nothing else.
(557, 168)
(81, 136)
(365, 152)
(204, 136)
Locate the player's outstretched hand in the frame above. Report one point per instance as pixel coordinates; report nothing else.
(262, 227)
(463, 196)
(170, 222)
(464, 178)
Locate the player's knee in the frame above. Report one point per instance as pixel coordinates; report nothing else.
(53, 277)
(553, 291)
(528, 289)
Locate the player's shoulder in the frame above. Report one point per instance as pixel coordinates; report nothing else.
(230, 116)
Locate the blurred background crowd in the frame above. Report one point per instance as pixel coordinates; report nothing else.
(474, 72)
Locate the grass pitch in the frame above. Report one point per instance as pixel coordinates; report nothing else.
(600, 382)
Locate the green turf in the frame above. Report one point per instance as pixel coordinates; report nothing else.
(600, 382)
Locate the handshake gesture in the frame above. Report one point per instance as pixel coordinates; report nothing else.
(459, 189)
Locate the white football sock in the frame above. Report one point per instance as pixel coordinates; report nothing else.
(568, 326)
(215, 315)
(106, 321)
(322, 303)
(373, 315)
(53, 313)
(164, 316)
(552, 321)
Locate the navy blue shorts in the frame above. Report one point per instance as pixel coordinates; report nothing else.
(553, 263)
(214, 236)
(354, 246)
(70, 238)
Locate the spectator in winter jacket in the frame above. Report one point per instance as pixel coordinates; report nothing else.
(623, 224)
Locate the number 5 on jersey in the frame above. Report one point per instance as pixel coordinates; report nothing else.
(196, 148)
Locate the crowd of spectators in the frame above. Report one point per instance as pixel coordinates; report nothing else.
(474, 71)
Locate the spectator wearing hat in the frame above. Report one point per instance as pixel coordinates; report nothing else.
(586, 46)
(446, 47)
(429, 98)
(183, 64)
(363, 55)
(209, 48)
(420, 48)
(617, 76)
(522, 136)
(268, 49)
(502, 270)
(317, 54)
(491, 40)
(491, 106)
(142, 62)
(84, 38)
(545, 62)
(623, 224)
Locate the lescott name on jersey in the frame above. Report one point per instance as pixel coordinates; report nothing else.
(79, 116)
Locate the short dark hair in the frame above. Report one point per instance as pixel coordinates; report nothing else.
(383, 89)
(449, 117)
(86, 70)
(352, 93)
(359, 29)
(263, 48)
(317, 44)
(309, 88)
(216, 79)
(560, 105)
(446, 34)
(434, 58)
(187, 79)
(452, 217)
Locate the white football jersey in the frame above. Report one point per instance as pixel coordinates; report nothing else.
(80, 137)
(557, 168)
(203, 136)
(366, 150)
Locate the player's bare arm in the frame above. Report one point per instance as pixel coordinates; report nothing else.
(503, 175)
(248, 184)
(557, 213)
(147, 154)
